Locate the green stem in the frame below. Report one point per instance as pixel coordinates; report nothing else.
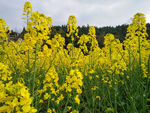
(48, 104)
(29, 77)
(66, 104)
(34, 75)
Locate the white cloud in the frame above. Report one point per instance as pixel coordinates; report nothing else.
(92, 12)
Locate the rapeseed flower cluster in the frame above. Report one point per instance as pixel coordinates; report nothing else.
(42, 73)
(13, 97)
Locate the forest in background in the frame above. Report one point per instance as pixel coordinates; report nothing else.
(119, 32)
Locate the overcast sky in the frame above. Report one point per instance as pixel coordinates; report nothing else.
(93, 12)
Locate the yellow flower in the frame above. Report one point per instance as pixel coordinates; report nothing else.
(98, 97)
(74, 111)
(127, 77)
(69, 108)
(49, 110)
(72, 27)
(46, 96)
(59, 99)
(94, 88)
(77, 100)
(90, 77)
(41, 101)
(3, 30)
(92, 31)
(97, 76)
(92, 71)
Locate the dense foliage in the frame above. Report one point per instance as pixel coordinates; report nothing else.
(69, 72)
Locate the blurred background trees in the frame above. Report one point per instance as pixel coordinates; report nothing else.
(119, 32)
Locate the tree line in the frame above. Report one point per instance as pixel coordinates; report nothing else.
(118, 31)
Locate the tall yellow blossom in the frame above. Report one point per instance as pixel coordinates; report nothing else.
(4, 29)
(72, 27)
